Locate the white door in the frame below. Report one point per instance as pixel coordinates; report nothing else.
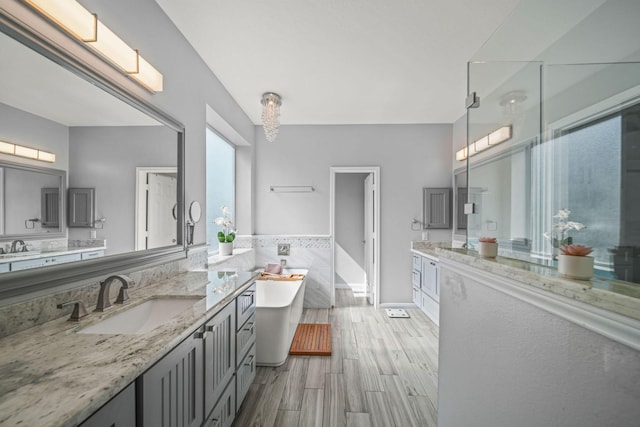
(161, 225)
(369, 239)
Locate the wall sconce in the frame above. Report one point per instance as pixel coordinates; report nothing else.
(26, 152)
(494, 138)
(85, 26)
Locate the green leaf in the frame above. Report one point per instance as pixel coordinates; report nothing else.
(221, 237)
(230, 237)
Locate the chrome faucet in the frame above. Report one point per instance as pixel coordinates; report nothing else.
(105, 286)
(15, 243)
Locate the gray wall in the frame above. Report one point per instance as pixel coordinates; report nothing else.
(105, 158)
(33, 131)
(506, 362)
(349, 227)
(410, 156)
(189, 86)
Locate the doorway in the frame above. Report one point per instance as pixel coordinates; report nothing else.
(156, 198)
(354, 229)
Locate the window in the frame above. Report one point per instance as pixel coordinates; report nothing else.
(221, 161)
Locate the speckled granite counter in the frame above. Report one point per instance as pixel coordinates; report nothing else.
(612, 295)
(428, 249)
(52, 376)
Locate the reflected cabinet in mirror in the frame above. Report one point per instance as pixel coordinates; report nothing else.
(127, 153)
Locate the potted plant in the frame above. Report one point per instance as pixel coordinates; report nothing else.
(488, 247)
(574, 262)
(228, 232)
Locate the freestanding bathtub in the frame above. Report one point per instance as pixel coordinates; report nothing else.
(278, 312)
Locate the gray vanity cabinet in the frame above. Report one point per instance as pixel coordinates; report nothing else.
(171, 392)
(219, 355)
(120, 411)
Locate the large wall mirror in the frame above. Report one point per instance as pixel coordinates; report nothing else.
(128, 156)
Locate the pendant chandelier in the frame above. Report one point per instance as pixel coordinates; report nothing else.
(271, 103)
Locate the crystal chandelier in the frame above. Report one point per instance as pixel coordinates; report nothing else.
(271, 103)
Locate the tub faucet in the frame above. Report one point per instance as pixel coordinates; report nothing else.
(105, 286)
(14, 245)
(283, 262)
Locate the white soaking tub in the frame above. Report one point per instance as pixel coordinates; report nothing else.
(278, 312)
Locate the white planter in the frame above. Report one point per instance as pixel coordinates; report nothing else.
(575, 267)
(225, 249)
(487, 249)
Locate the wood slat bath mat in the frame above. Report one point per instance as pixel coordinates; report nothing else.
(312, 339)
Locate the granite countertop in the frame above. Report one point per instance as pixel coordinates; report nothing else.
(428, 249)
(52, 376)
(21, 256)
(612, 295)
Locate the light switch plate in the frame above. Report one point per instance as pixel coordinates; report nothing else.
(283, 249)
(469, 208)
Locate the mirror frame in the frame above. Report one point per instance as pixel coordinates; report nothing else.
(25, 284)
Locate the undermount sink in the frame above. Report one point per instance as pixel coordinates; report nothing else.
(142, 318)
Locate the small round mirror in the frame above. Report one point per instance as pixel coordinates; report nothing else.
(195, 211)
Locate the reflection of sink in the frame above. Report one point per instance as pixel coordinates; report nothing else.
(142, 318)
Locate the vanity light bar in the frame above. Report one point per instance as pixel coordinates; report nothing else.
(85, 26)
(26, 152)
(494, 138)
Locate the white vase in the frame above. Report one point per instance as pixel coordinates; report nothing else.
(488, 249)
(575, 267)
(225, 249)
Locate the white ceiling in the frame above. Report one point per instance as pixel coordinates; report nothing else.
(342, 61)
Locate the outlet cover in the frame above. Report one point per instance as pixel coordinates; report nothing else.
(283, 249)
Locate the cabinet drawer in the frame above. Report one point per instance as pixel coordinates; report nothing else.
(245, 374)
(224, 412)
(245, 338)
(246, 305)
(416, 279)
(120, 411)
(417, 262)
(417, 298)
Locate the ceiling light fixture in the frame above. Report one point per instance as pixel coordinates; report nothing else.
(26, 152)
(271, 103)
(85, 26)
(496, 137)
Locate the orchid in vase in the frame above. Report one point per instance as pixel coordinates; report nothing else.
(558, 236)
(228, 233)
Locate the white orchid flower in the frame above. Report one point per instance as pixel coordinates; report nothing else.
(562, 214)
(225, 210)
(575, 225)
(219, 221)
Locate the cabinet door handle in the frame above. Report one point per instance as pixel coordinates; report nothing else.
(249, 362)
(216, 422)
(249, 327)
(210, 328)
(199, 335)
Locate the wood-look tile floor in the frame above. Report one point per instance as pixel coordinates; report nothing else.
(382, 372)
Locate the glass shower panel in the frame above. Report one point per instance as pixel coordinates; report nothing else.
(591, 164)
(501, 132)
